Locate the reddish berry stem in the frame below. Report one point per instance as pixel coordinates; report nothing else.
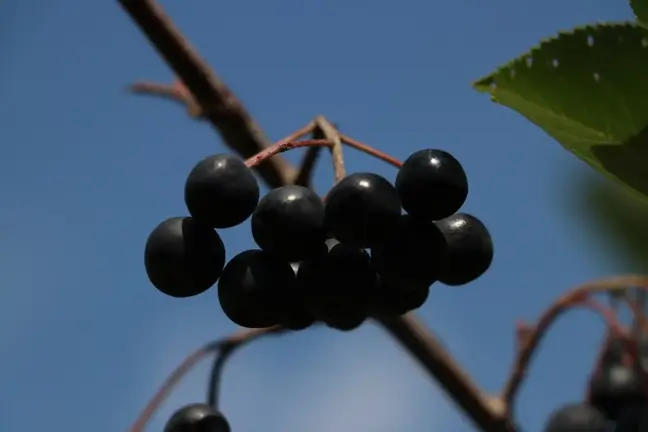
(283, 147)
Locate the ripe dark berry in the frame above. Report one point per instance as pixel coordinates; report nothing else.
(362, 209)
(183, 258)
(576, 417)
(339, 285)
(392, 299)
(254, 289)
(197, 417)
(469, 249)
(221, 191)
(289, 222)
(431, 184)
(412, 256)
(616, 387)
(633, 418)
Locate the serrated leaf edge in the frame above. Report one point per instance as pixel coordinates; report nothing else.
(483, 84)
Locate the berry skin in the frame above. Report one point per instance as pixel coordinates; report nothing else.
(431, 184)
(289, 223)
(339, 285)
(469, 249)
(576, 417)
(361, 209)
(183, 258)
(255, 289)
(391, 299)
(412, 256)
(614, 388)
(197, 417)
(633, 418)
(221, 191)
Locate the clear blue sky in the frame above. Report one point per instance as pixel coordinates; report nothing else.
(86, 171)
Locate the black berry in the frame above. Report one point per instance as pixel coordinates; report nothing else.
(431, 184)
(197, 417)
(221, 191)
(412, 256)
(576, 417)
(393, 299)
(289, 222)
(254, 289)
(183, 258)
(469, 249)
(362, 209)
(339, 285)
(633, 418)
(614, 388)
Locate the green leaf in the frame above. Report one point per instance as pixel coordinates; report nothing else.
(588, 89)
(640, 9)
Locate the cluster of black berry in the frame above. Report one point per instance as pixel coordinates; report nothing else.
(618, 397)
(336, 260)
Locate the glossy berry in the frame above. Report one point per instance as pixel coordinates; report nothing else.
(412, 256)
(633, 418)
(339, 285)
(197, 417)
(431, 184)
(469, 249)
(183, 258)
(255, 288)
(392, 299)
(616, 387)
(362, 209)
(295, 266)
(221, 191)
(289, 222)
(576, 417)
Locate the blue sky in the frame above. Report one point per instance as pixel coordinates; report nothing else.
(86, 171)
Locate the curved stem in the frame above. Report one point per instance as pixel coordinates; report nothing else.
(282, 147)
(564, 302)
(230, 347)
(366, 148)
(188, 364)
(216, 376)
(638, 313)
(607, 314)
(298, 134)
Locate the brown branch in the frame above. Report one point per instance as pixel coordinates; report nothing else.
(220, 106)
(229, 343)
(307, 166)
(486, 412)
